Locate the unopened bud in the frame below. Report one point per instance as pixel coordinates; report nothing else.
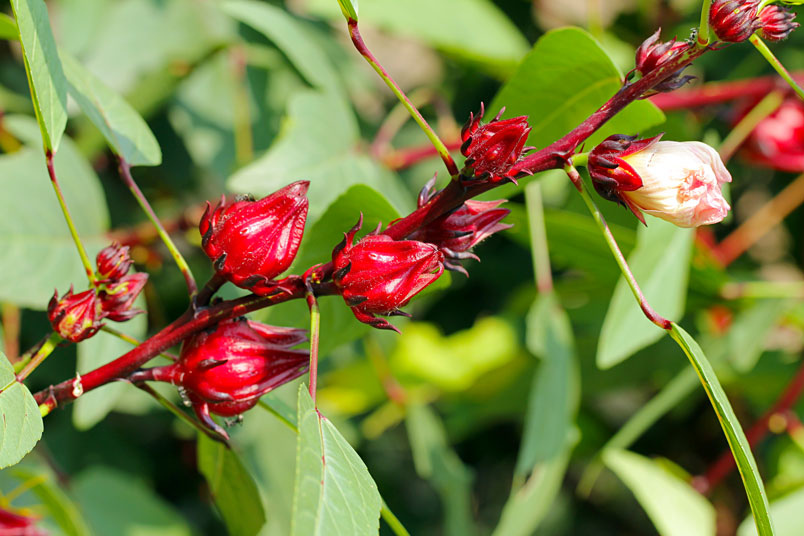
(75, 317)
(734, 21)
(492, 149)
(776, 23)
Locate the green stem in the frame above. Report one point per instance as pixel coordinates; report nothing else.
(743, 129)
(134, 342)
(538, 237)
(703, 27)
(652, 315)
(45, 350)
(361, 47)
(125, 174)
(393, 522)
(315, 328)
(82, 252)
(178, 412)
(776, 64)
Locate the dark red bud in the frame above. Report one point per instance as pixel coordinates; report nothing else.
(377, 275)
(226, 370)
(118, 298)
(75, 317)
(734, 21)
(492, 149)
(653, 54)
(113, 262)
(776, 23)
(252, 242)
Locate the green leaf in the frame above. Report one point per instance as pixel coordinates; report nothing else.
(45, 76)
(117, 503)
(675, 508)
(749, 332)
(334, 493)
(787, 513)
(274, 404)
(554, 395)
(234, 491)
(498, 47)
(93, 406)
(59, 506)
(565, 78)
(529, 505)
(755, 489)
(349, 9)
(21, 421)
(38, 252)
(8, 28)
(339, 217)
(436, 462)
(126, 132)
(660, 262)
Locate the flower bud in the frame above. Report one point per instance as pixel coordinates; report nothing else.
(252, 242)
(119, 296)
(75, 317)
(776, 23)
(734, 21)
(227, 369)
(492, 149)
(113, 262)
(653, 54)
(677, 182)
(455, 234)
(777, 142)
(378, 275)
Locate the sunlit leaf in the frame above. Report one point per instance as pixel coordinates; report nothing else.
(21, 420)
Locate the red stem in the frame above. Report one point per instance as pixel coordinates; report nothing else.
(717, 92)
(725, 463)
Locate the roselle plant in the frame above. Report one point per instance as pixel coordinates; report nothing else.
(171, 355)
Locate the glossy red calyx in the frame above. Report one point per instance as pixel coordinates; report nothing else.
(75, 317)
(227, 369)
(734, 21)
(377, 275)
(113, 262)
(251, 242)
(491, 149)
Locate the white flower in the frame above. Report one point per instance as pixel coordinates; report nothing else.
(680, 183)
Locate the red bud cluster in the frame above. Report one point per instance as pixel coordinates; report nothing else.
(491, 149)
(653, 54)
(456, 233)
(776, 23)
(252, 242)
(377, 275)
(227, 369)
(734, 21)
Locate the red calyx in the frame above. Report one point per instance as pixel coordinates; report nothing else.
(777, 142)
(492, 149)
(119, 296)
(776, 23)
(113, 262)
(251, 242)
(652, 54)
(75, 317)
(226, 370)
(377, 275)
(734, 21)
(611, 174)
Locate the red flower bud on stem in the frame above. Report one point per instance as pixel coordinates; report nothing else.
(227, 369)
(652, 54)
(492, 149)
(75, 317)
(252, 242)
(113, 262)
(377, 275)
(119, 296)
(776, 23)
(734, 21)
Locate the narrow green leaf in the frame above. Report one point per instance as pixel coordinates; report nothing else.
(124, 129)
(59, 506)
(660, 264)
(735, 436)
(234, 491)
(92, 407)
(564, 78)
(436, 462)
(8, 28)
(675, 508)
(45, 75)
(334, 493)
(554, 395)
(349, 8)
(787, 513)
(21, 421)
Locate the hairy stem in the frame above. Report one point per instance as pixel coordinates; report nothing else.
(361, 47)
(125, 174)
